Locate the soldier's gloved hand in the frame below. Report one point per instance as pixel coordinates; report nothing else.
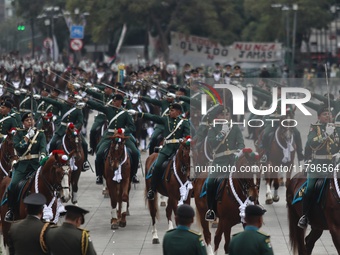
(225, 128)
(23, 91)
(132, 112)
(76, 85)
(95, 89)
(78, 97)
(41, 157)
(171, 95)
(30, 133)
(88, 84)
(330, 129)
(81, 104)
(37, 97)
(17, 92)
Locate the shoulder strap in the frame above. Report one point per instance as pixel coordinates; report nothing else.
(7, 117)
(67, 113)
(42, 238)
(115, 117)
(178, 125)
(31, 143)
(23, 101)
(84, 242)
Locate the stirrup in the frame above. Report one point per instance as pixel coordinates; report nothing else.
(134, 179)
(264, 159)
(151, 195)
(9, 216)
(99, 180)
(303, 222)
(210, 215)
(86, 166)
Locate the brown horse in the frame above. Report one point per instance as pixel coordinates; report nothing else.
(51, 180)
(239, 190)
(7, 154)
(176, 178)
(117, 175)
(324, 215)
(72, 141)
(48, 125)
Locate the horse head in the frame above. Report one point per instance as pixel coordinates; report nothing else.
(73, 140)
(117, 151)
(55, 171)
(183, 155)
(48, 125)
(248, 173)
(7, 151)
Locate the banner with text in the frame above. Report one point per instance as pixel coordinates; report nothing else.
(256, 51)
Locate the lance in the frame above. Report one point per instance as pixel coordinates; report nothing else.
(328, 98)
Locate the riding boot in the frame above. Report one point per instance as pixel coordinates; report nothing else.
(299, 148)
(210, 214)
(154, 181)
(152, 145)
(306, 203)
(9, 217)
(99, 171)
(92, 142)
(134, 169)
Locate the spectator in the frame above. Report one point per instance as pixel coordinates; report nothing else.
(182, 240)
(251, 240)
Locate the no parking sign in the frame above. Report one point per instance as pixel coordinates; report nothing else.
(76, 44)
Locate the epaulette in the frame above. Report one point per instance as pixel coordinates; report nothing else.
(264, 234)
(83, 229)
(195, 232)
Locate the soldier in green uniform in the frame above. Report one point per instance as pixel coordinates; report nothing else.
(175, 127)
(70, 112)
(118, 119)
(182, 240)
(7, 121)
(103, 97)
(251, 240)
(43, 108)
(30, 145)
(25, 234)
(323, 139)
(27, 102)
(69, 238)
(14, 112)
(164, 105)
(225, 140)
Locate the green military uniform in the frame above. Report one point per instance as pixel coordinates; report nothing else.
(25, 235)
(182, 240)
(159, 129)
(124, 120)
(68, 239)
(224, 145)
(6, 123)
(27, 103)
(16, 115)
(69, 113)
(100, 118)
(42, 109)
(174, 129)
(250, 242)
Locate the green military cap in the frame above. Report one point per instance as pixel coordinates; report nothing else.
(118, 97)
(26, 115)
(172, 88)
(35, 199)
(176, 106)
(185, 211)
(7, 104)
(73, 209)
(254, 210)
(322, 108)
(237, 67)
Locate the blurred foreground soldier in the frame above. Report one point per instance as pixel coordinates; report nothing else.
(25, 234)
(182, 240)
(69, 238)
(251, 240)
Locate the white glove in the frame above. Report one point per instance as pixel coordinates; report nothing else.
(76, 85)
(1, 86)
(171, 95)
(41, 157)
(225, 129)
(249, 85)
(83, 94)
(78, 97)
(23, 91)
(30, 133)
(163, 83)
(132, 112)
(37, 97)
(330, 129)
(88, 84)
(47, 213)
(95, 89)
(81, 104)
(17, 92)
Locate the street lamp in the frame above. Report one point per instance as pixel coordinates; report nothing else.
(335, 9)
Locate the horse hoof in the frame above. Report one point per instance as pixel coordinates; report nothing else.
(163, 203)
(155, 241)
(276, 198)
(75, 202)
(269, 201)
(122, 224)
(114, 226)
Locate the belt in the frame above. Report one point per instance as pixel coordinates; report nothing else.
(171, 141)
(111, 130)
(224, 153)
(204, 123)
(24, 110)
(28, 157)
(322, 157)
(63, 124)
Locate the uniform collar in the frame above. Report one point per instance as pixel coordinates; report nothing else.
(181, 227)
(251, 228)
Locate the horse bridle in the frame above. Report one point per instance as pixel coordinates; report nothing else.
(117, 144)
(185, 167)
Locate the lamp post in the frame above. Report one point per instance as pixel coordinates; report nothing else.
(295, 9)
(335, 9)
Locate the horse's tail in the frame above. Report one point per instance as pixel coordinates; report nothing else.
(294, 230)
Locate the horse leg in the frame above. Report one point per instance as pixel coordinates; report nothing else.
(276, 186)
(153, 208)
(74, 183)
(226, 231)
(218, 235)
(312, 237)
(163, 203)
(114, 208)
(124, 194)
(335, 236)
(269, 197)
(172, 206)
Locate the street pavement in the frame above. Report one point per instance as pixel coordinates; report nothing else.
(136, 237)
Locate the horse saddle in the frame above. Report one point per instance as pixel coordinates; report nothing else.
(318, 191)
(218, 187)
(164, 166)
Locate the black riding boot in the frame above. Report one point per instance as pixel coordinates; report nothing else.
(154, 181)
(99, 171)
(299, 148)
(9, 217)
(92, 142)
(303, 221)
(134, 169)
(210, 215)
(152, 145)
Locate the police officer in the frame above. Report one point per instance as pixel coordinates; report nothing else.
(225, 140)
(69, 238)
(175, 127)
(323, 139)
(182, 240)
(30, 145)
(118, 119)
(251, 240)
(25, 234)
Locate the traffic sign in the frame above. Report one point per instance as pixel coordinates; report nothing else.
(77, 32)
(48, 42)
(76, 44)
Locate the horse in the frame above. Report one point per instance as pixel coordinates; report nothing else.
(51, 179)
(117, 176)
(237, 191)
(176, 184)
(324, 215)
(72, 140)
(48, 125)
(7, 154)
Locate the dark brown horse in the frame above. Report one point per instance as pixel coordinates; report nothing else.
(48, 125)
(51, 180)
(239, 190)
(176, 177)
(117, 175)
(7, 154)
(324, 215)
(72, 141)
